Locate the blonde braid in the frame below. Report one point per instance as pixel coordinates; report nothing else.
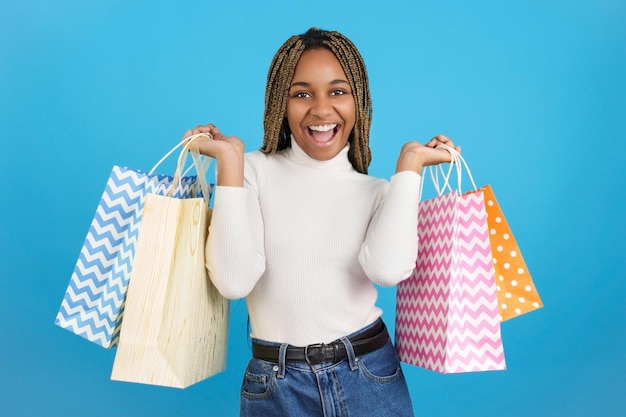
(279, 77)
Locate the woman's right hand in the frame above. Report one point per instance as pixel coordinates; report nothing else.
(220, 144)
(227, 151)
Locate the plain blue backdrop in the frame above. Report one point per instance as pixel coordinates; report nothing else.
(533, 90)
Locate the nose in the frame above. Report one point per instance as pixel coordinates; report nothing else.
(322, 106)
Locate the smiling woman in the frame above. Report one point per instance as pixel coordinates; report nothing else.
(280, 78)
(321, 109)
(303, 233)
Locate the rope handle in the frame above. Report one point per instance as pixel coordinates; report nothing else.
(200, 163)
(456, 162)
(184, 142)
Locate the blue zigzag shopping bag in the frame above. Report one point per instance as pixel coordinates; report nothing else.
(93, 304)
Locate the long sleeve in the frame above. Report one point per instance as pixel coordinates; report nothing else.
(389, 251)
(235, 257)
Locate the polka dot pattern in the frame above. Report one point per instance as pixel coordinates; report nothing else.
(516, 291)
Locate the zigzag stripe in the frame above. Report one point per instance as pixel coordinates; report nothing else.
(91, 316)
(108, 303)
(95, 286)
(117, 220)
(93, 305)
(487, 344)
(79, 300)
(472, 332)
(427, 348)
(427, 306)
(121, 198)
(105, 245)
(99, 250)
(110, 241)
(488, 347)
(477, 269)
(468, 308)
(91, 287)
(133, 180)
(92, 308)
(90, 331)
(125, 207)
(485, 339)
(113, 289)
(425, 296)
(97, 272)
(471, 209)
(474, 242)
(423, 323)
(472, 303)
(96, 263)
(476, 362)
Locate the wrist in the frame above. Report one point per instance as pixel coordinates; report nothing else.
(230, 169)
(409, 162)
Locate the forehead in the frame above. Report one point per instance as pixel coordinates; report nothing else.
(318, 64)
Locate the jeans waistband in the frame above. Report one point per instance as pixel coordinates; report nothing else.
(369, 339)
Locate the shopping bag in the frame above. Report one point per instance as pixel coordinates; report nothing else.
(447, 312)
(175, 324)
(93, 303)
(517, 293)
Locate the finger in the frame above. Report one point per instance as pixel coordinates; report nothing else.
(212, 130)
(209, 129)
(443, 140)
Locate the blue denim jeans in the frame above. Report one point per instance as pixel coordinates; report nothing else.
(370, 385)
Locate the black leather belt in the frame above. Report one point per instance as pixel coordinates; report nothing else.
(333, 352)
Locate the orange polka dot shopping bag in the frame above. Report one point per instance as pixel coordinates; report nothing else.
(516, 291)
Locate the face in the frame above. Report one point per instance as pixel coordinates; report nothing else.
(321, 110)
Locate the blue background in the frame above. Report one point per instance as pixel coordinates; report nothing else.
(533, 91)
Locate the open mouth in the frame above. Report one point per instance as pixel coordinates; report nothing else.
(323, 133)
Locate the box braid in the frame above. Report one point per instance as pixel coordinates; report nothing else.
(277, 134)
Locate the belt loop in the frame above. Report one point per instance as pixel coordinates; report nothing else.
(282, 353)
(350, 352)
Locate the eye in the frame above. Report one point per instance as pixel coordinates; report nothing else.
(338, 92)
(301, 94)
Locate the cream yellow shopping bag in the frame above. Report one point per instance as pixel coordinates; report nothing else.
(174, 330)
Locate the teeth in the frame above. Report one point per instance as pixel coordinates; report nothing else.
(323, 128)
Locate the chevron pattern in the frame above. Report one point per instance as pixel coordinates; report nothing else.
(447, 313)
(93, 305)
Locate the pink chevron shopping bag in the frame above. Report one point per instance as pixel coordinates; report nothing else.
(447, 312)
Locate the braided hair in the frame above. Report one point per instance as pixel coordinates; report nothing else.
(277, 134)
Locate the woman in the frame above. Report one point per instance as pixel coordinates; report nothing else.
(303, 233)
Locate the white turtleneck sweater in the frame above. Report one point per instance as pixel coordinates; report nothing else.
(305, 241)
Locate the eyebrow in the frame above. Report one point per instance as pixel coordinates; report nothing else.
(305, 84)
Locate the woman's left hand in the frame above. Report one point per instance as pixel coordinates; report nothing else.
(414, 155)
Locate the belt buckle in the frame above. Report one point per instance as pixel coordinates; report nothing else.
(316, 355)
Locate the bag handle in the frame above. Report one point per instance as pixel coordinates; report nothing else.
(200, 163)
(184, 142)
(457, 162)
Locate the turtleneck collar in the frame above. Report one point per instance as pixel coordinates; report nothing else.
(297, 155)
